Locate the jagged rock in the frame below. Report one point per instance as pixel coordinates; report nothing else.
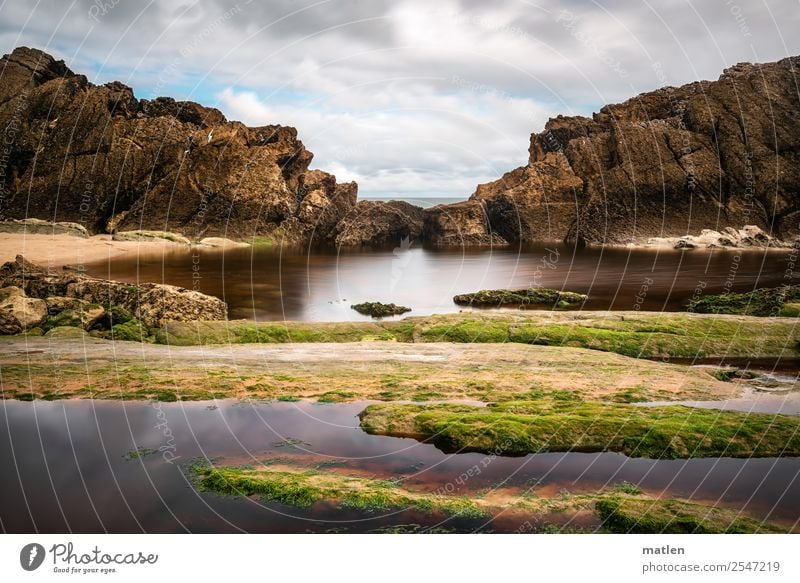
(121, 163)
(675, 160)
(380, 223)
(29, 312)
(464, 223)
(153, 304)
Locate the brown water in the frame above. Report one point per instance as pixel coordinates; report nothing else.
(273, 284)
(65, 469)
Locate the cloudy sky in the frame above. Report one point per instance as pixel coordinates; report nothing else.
(411, 98)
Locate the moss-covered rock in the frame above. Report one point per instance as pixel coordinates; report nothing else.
(779, 301)
(557, 425)
(379, 310)
(536, 296)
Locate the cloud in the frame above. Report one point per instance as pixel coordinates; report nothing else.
(408, 97)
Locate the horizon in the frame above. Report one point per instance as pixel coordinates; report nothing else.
(408, 101)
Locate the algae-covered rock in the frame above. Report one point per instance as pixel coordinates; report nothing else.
(379, 310)
(522, 297)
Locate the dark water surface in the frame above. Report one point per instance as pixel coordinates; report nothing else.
(65, 469)
(320, 285)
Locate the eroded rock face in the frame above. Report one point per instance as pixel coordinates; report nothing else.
(153, 304)
(122, 163)
(708, 155)
(380, 223)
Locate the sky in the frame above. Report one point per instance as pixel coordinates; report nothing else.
(412, 99)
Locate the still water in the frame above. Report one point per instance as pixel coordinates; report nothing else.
(66, 469)
(320, 285)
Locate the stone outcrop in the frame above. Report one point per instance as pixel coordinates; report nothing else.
(85, 300)
(671, 162)
(100, 157)
(380, 223)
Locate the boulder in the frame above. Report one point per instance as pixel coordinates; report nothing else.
(29, 312)
(380, 223)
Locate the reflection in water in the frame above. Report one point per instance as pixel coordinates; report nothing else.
(272, 284)
(65, 469)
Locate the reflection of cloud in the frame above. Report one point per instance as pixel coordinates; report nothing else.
(375, 79)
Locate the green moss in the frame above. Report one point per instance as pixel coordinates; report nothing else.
(467, 331)
(302, 488)
(132, 330)
(729, 374)
(522, 427)
(64, 318)
(139, 453)
(760, 302)
(288, 398)
(336, 396)
(639, 334)
(523, 297)
(624, 514)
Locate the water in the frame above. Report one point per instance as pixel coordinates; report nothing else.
(65, 469)
(320, 285)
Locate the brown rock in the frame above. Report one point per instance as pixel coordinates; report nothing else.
(667, 163)
(464, 223)
(153, 304)
(9, 324)
(29, 312)
(380, 223)
(122, 163)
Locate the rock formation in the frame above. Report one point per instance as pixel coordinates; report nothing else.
(29, 293)
(667, 163)
(98, 156)
(671, 162)
(380, 223)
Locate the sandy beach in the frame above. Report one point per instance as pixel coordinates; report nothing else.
(58, 250)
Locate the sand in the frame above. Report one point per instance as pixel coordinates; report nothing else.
(55, 251)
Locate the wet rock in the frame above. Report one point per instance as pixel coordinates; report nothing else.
(381, 223)
(379, 310)
(522, 297)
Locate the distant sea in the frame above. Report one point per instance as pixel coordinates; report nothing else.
(425, 202)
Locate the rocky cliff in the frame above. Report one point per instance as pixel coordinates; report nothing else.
(708, 155)
(98, 156)
(671, 162)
